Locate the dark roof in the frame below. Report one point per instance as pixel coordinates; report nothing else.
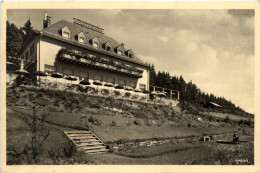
(215, 104)
(54, 32)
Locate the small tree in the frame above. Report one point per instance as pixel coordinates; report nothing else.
(38, 131)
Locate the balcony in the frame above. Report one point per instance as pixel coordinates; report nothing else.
(101, 64)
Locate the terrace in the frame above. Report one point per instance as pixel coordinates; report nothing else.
(92, 61)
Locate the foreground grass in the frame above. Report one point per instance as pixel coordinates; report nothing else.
(231, 116)
(56, 149)
(108, 133)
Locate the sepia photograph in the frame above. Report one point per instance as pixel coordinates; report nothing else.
(137, 86)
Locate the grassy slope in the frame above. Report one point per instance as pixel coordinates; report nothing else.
(65, 112)
(231, 116)
(107, 132)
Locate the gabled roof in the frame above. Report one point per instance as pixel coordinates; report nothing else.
(130, 51)
(108, 44)
(120, 47)
(81, 34)
(215, 104)
(66, 29)
(53, 31)
(95, 39)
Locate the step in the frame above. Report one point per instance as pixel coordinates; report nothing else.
(81, 135)
(84, 137)
(77, 132)
(90, 144)
(91, 141)
(86, 141)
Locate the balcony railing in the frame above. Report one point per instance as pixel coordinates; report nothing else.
(93, 62)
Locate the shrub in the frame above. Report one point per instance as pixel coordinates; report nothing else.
(227, 119)
(117, 93)
(105, 91)
(138, 122)
(114, 123)
(94, 121)
(129, 123)
(127, 94)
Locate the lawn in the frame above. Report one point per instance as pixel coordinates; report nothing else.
(231, 116)
(123, 130)
(56, 148)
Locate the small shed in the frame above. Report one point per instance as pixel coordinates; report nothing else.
(212, 105)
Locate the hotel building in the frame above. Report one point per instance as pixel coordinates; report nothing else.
(83, 50)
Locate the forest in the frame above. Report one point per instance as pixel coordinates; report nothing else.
(191, 97)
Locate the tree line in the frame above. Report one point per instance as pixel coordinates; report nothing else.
(189, 92)
(16, 37)
(192, 95)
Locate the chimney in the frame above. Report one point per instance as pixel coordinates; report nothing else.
(122, 44)
(46, 21)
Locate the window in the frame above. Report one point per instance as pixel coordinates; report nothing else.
(32, 49)
(142, 87)
(97, 77)
(108, 48)
(26, 55)
(68, 71)
(49, 68)
(82, 75)
(81, 39)
(132, 84)
(66, 34)
(130, 55)
(95, 44)
(119, 52)
(110, 79)
(121, 82)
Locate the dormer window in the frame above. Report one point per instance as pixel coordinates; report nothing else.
(65, 32)
(95, 42)
(108, 46)
(119, 52)
(119, 49)
(129, 53)
(81, 37)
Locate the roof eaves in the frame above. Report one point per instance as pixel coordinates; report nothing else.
(93, 49)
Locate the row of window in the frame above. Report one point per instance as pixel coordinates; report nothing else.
(26, 54)
(65, 32)
(82, 75)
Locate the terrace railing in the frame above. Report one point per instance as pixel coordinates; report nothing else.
(94, 62)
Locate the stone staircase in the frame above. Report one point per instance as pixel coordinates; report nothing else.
(86, 141)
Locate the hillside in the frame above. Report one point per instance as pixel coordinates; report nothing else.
(191, 94)
(121, 124)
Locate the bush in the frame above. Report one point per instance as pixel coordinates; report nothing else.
(114, 123)
(129, 123)
(138, 122)
(117, 93)
(127, 94)
(227, 119)
(105, 91)
(94, 121)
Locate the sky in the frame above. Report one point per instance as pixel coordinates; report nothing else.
(212, 48)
